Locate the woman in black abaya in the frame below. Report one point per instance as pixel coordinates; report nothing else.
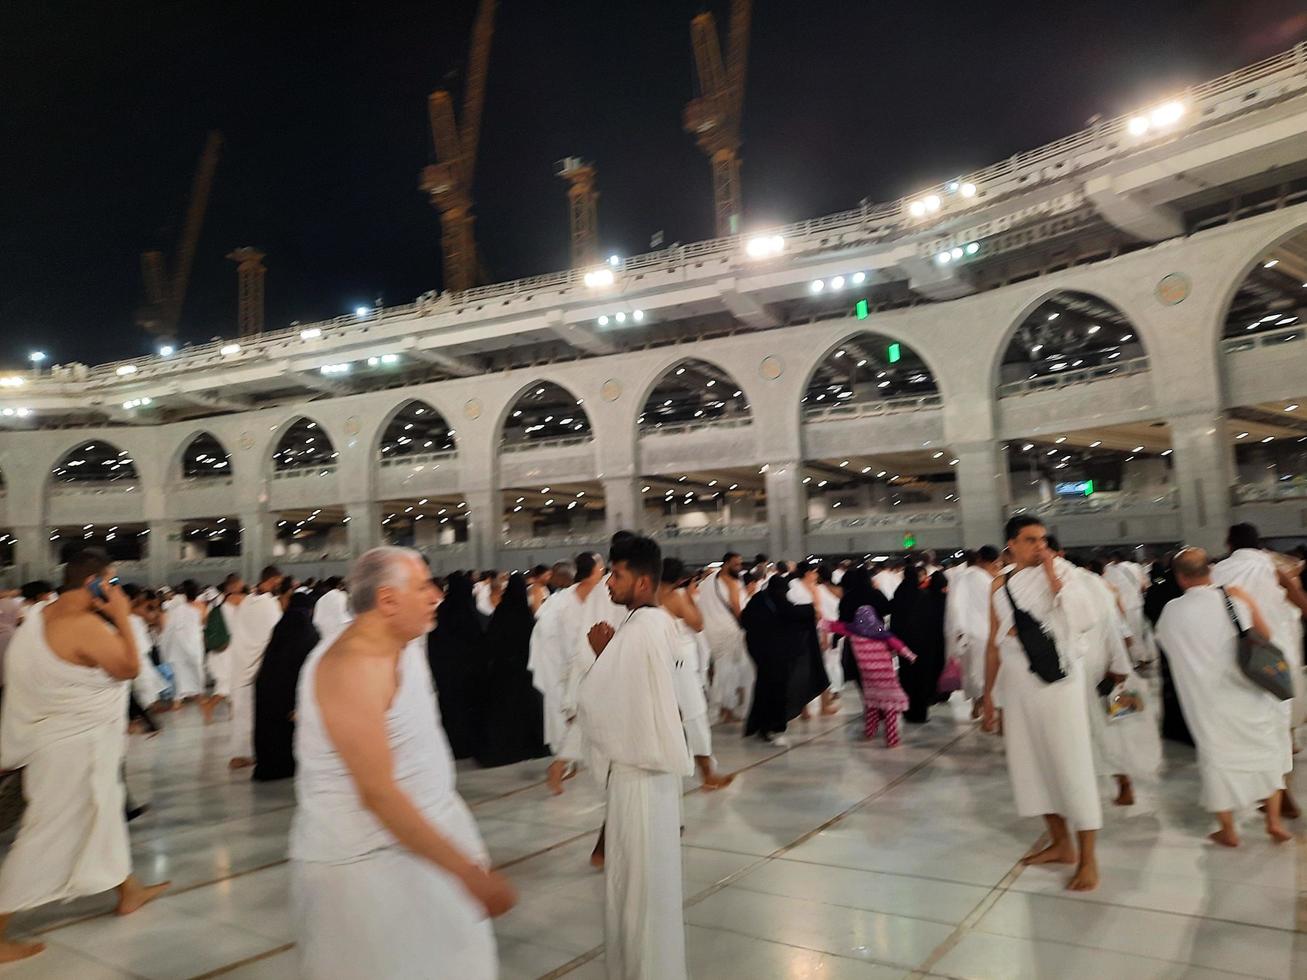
(918, 620)
(456, 653)
(293, 638)
(514, 723)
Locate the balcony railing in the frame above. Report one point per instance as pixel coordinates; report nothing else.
(714, 531)
(1136, 502)
(416, 459)
(1268, 338)
(303, 472)
(695, 425)
(892, 519)
(1237, 93)
(598, 536)
(84, 488)
(1065, 379)
(873, 408)
(1256, 493)
(563, 442)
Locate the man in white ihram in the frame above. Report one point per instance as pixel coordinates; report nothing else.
(1046, 736)
(65, 721)
(631, 723)
(721, 602)
(389, 877)
(1239, 730)
(251, 627)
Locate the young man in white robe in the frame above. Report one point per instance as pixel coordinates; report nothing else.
(721, 601)
(966, 619)
(1130, 581)
(552, 643)
(633, 728)
(389, 875)
(331, 612)
(1243, 743)
(1045, 724)
(70, 665)
(251, 627)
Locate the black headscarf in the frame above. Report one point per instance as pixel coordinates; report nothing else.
(514, 713)
(455, 650)
(292, 640)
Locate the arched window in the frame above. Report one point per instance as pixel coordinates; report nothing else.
(302, 446)
(1070, 332)
(416, 429)
(204, 458)
(866, 368)
(693, 393)
(544, 413)
(95, 462)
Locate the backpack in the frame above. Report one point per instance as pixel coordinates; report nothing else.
(216, 635)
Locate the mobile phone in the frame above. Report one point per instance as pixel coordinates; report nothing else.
(97, 587)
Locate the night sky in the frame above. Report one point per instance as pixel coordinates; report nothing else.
(105, 108)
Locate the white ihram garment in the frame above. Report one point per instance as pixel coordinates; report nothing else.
(362, 904)
(552, 643)
(1129, 580)
(331, 614)
(66, 725)
(1253, 570)
(183, 649)
(1129, 746)
(966, 619)
(1243, 744)
(832, 655)
(598, 607)
(689, 692)
(148, 685)
(632, 726)
(1046, 726)
(733, 671)
(255, 619)
(218, 662)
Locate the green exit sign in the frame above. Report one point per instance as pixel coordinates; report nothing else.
(895, 352)
(909, 540)
(862, 310)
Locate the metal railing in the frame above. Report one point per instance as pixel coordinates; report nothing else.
(1267, 338)
(1080, 376)
(563, 442)
(86, 487)
(1233, 94)
(676, 428)
(715, 531)
(893, 519)
(416, 459)
(575, 539)
(871, 409)
(1256, 493)
(196, 482)
(1138, 502)
(299, 472)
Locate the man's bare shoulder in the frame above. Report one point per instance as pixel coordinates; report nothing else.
(351, 669)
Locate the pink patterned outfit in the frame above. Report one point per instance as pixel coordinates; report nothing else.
(882, 697)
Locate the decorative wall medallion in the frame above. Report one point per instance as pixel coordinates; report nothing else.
(770, 368)
(246, 441)
(1173, 288)
(352, 425)
(611, 390)
(473, 408)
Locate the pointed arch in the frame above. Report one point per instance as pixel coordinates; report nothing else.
(94, 461)
(414, 427)
(692, 391)
(302, 444)
(544, 411)
(865, 367)
(202, 456)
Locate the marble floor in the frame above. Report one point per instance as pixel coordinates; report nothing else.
(833, 859)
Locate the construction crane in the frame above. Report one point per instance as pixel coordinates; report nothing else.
(250, 273)
(164, 294)
(714, 117)
(448, 182)
(583, 209)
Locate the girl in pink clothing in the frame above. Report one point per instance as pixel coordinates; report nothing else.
(874, 648)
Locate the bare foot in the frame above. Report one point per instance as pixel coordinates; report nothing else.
(1226, 838)
(207, 707)
(717, 781)
(1084, 880)
(727, 718)
(554, 778)
(831, 709)
(1125, 795)
(597, 859)
(1278, 833)
(11, 952)
(1064, 853)
(240, 763)
(131, 897)
(1289, 807)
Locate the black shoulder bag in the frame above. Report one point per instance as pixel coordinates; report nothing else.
(1260, 660)
(1040, 649)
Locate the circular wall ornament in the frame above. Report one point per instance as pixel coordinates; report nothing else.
(1173, 288)
(472, 409)
(771, 368)
(611, 391)
(352, 425)
(246, 441)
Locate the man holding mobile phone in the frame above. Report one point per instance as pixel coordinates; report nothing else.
(69, 670)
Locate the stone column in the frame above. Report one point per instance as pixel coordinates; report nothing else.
(483, 527)
(983, 492)
(623, 507)
(162, 549)
(1204, 471)
(258, 532)
(32, 557)
(787, 505)
(364, 530)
